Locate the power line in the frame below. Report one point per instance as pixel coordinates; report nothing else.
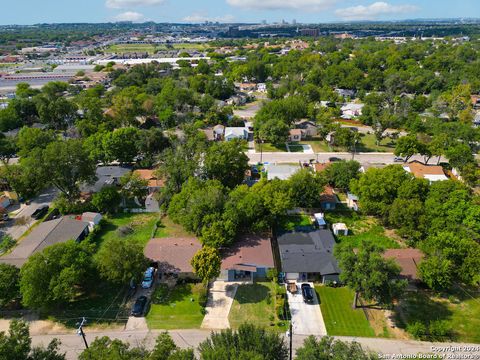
(81, 333)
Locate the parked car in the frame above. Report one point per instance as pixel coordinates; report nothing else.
(307, 293)
(139, 306)
(398, 159)
(148, 278)
(5, 217)
(40, 212)
(334, 159)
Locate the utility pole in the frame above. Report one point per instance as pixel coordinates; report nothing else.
(291, 340)
(80, 331)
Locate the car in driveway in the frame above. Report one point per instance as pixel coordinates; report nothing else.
(148, 278)
(307, 293)
(40, 212)
(139, 307)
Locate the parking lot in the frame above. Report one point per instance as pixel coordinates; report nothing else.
(307, 319)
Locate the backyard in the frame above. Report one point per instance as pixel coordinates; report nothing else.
(255, 303)
(140, 227)
(292, 222)
(340, 319)
(167, 228)
(459, 310)
(177, 308)
(362, 228)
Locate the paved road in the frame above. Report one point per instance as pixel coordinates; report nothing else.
(26, 211)
(285, 157)
(73, 345)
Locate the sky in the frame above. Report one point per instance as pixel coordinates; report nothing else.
(27, 12)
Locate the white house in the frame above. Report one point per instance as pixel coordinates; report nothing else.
(351, 110)
(236, 133)
(92, 218)
(340, 229)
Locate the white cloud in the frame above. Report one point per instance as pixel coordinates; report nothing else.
(130, 16)
(200, 18)
(373, 11)
(123, 4)
(306, 5)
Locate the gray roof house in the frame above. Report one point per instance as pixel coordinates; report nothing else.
(306, 255)
(46, 234)
(236, 133)
(106, 175)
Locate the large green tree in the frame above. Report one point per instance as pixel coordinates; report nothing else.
(329, 349)
(9, 284)
(306, 188)
(206, 263)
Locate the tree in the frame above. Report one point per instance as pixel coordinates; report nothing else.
(54, 276)
(9, 284)
(248, 342)
(66, 165)
(460, 156)
(107, 199)
(436, 272)
(306, 188)
(329, 349)
(121, 145)
(340, 174)
(165, 349)
(206, 263)
(408, 216)
(106, 349)
(226, 162)
(32, 138)
(369, 274)
(7, 149)
(16, 345)
(273, 130)
(220, 232)
(120, 260)
(407, 146)
(133, 186)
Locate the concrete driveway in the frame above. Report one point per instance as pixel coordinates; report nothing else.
(220, 300)
(307, 319)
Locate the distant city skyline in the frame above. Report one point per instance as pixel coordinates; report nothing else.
(26, 12)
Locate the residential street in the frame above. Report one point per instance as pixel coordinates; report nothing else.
(26, 211)
(72, 343)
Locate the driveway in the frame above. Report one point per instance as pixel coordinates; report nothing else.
(134, 322)
(307, 319)
(220, 300)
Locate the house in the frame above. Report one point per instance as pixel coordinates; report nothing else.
(328, 199)
(154, 183)
(476, 119)
(173, 255)
(246, 86)
(319, 167)
(308, 255)
(307, 127)
(4, 202)
(209, 134)
(340, 229)
(295, 135)
(408, 260)
(238, 99)
(282, 172)
(352, 201)
(92, 218)
(430, 172)
(106, 176)
(232, 133)
(46, 234)
(249, 258)
(346, 93)
(262, 87)
(351, 110)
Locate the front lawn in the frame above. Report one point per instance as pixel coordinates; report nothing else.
(361, 228)
(267, 147)
(459, 311)
(177, 308)
(255, 304)
(340, 319)
(140, 225)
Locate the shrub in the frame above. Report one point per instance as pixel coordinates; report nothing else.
(272, 274)
(6, 243)
(203, 296)
(439, 330)
(417, 330)
(160, 296)
(124, 231)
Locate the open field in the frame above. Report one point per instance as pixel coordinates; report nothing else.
(340, 319)
(460, 310)
(177, 308)
(255, 304)
(141, 224)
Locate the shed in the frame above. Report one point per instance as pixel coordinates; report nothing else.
(340, 229)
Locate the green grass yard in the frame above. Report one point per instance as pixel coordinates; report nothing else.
(291, 222)
(255, 304)
(267, 147)
(167, 228)
(141, 224)
(340, 319)
(177, 308)
(361, 228)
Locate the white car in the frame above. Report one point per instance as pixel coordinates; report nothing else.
(148, 278)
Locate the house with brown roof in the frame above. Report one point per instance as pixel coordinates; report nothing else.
(328, 199)
(408, 260)
(430, 172)
(319, 167)
(154, 183)
(295, 135)
(173, 255)
(249, 258)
